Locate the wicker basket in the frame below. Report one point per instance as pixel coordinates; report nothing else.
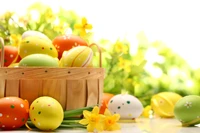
(73, 87)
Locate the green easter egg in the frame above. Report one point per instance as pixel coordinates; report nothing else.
(80, 56)
(34, 44)
(39, 60)
(187, 110)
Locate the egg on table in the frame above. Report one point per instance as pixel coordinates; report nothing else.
(14, 112)
(46, 113)
(80, 56)
(66, 42)
(10, 55)
(128, 106)
(39, 60)
(36, 45)
(187, 110)
(163, 104)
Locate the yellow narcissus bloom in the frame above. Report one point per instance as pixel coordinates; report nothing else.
(83, 26)
(93, 120)
(147, 111)
(15, 39)
(124, 64)
(121, 48)
(110, 123)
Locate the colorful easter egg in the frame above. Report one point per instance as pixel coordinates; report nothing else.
(14, 112)
(66, 42)
(187, 110)
(128, 106)
(163, 104)
(35, 33)
(10, 54)
(34, 44)
(80, 56)
(39, 60)
(46, 113)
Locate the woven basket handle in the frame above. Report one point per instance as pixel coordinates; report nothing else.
(100, 55)
(2, 52)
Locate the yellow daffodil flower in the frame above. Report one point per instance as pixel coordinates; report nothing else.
(15, 39)
(121, 48)
(93, 120)
(110, 123)
(124, 64)
(147, 111)
(83, 26)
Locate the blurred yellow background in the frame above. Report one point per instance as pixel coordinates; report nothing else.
(176, 23)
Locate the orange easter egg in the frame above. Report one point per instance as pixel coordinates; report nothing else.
(66, 42)
(10, 55)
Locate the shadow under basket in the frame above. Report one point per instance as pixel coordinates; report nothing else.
(73, 87)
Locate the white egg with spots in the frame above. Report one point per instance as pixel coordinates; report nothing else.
(128, 106)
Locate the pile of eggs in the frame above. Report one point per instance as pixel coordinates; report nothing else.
(45, 112)
(36, 49)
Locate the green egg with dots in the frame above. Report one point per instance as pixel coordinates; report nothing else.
(46, 113)
(187, 110)
(34, 44)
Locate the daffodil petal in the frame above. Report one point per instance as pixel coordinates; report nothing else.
(90, 127)
(88, 26)
(78, 26)
(115, 126)
(107, 113)
(82, 32)
(95, 110)
(84, 21)
(86, 114)
(116, 117)
(84, 122)
(99, 126)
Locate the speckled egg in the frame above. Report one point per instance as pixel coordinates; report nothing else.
(80, 56)
(34, 33)
(187, 110)
(39, 60)
(163, 104)
(46, 113)
(128, 106)
(33, 44)
(10, 55)
(14, 112)
(66, 42)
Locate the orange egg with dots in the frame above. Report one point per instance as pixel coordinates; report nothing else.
(14, 112)
(10, 55)
(66, 42)
(105, 99)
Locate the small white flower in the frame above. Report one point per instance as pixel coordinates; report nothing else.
(188, 104)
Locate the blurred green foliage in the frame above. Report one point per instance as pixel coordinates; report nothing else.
(152, 69)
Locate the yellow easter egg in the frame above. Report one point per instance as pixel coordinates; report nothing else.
(80, 56)
(46, 113)
(34, 33)
(163, 103)
(36, 45)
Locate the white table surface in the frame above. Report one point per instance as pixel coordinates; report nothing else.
(142, 125)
